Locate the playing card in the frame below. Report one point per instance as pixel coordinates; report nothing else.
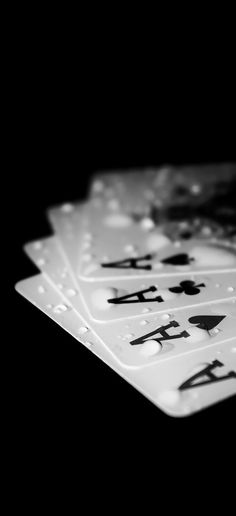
(115, 245)
(153, 337)
(165, 187)
(68, 223)
(185, 202)
(191, 203)
(179, 387)
(123, 299)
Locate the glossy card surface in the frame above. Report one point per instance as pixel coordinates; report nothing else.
(156, 338)
(122, 299)
(179, 387)
(122, 247)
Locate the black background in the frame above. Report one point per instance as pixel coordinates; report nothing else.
(65, 401)
(82, 95)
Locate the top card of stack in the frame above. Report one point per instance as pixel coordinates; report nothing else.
(160, 222)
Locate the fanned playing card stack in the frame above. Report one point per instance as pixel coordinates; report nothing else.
(143, 273)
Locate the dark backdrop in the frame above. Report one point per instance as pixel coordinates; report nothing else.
(65, 400)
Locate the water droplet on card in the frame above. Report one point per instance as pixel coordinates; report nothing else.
(37, 246)
(113, 204)
(49, 305)
(67, 208)
(93, 267)
(146, 310)
(147, 224)
(98, 186)
(82, 330)
(71, 292)
(88, 236)
(196, 189)
(60, 308)
(206, 231)
(165, 317)
(184, 225)
(88, 344)
(40, 262)
(144, 322)
(230, 289)
(129, 248)
(215, 331)
(196, 335)
(100, 297)
(86, 245)
(155, 242)
(169, 397)
(41, 289)
(150, 348)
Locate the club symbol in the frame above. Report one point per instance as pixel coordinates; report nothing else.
(188, 287)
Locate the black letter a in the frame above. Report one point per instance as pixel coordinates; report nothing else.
(162, 331)
(139, 295)
(130, 263)
(208, 375)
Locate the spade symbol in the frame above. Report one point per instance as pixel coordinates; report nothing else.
(188, 287)
(206, 322)
(178, 259)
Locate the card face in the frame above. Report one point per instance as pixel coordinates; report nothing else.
(167, 187)
(124, 299)
(179, 387)
(152, 338)
(121, 247)
(158, 338)
(141, 223)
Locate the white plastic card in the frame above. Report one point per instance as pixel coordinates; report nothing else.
(121, 247)
(125, 299)
(67, 222)
(155, 337)
(130, 249)
(179, 387)
(122, 299)
(136, 190)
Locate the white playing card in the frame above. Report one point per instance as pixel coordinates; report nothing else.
(123, 299)
(85, 250)
(67, 222)
(153, 338)
(179, 387)
(134, 190)
(121, 247)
